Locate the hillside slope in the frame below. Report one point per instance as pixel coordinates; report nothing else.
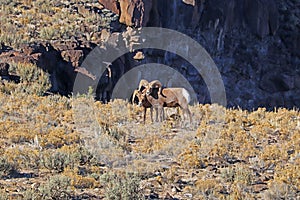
(71, 148)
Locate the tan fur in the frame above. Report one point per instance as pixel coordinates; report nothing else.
(143, 83)
(174, 97)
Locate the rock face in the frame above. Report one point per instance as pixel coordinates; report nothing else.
(255, 44)
(63, 60)
(261, 17)
(4, 73)
(59, 59)
(132, 13)
(4, 69)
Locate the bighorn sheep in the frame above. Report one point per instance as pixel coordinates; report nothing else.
(167, 97)
(143, 102)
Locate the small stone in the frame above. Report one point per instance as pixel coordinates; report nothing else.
(188, 195)
(139, 56)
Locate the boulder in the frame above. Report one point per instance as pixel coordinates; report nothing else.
(111, 5)
(4, 73)
(59, 59)
(132, 13)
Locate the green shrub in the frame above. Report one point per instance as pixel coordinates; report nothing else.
(57, 187)
(279, 191)
(122, 187)
(67, 156)
(33, 79)
(31, 194)
(48, 33)
(239, 174)
(7, 168)
(3, 195)
(55, 161)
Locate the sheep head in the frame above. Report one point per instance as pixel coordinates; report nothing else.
(154, 88)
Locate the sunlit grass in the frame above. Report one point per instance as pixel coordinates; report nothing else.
(224, 153)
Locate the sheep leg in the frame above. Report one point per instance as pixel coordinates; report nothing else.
(145, 112)
(190, 115)
(151, 114)
(183, 114)
(156, 112)
(161, 112)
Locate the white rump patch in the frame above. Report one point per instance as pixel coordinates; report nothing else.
(186, 95)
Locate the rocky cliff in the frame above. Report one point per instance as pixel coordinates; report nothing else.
(255, 44)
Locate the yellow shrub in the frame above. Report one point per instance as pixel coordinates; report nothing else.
(78, 181)
(58, 137)
(289, 174)
(20, 135)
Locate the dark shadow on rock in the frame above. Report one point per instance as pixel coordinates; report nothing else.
(15, 174)
(14, 78)
(4, 73)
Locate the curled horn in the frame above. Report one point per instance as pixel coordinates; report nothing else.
(135, 92)
(143, 84)
(155, 84)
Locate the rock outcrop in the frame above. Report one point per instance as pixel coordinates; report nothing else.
(58, 58)
(255, 44)
(5, 75)
(132, 13)
(63, 60)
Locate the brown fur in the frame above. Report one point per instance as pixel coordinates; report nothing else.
(174, 97)
(144, 103)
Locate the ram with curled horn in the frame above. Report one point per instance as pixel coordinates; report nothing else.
(167, 97)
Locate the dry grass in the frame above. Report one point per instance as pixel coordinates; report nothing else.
(55, 147)
(224, 153)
